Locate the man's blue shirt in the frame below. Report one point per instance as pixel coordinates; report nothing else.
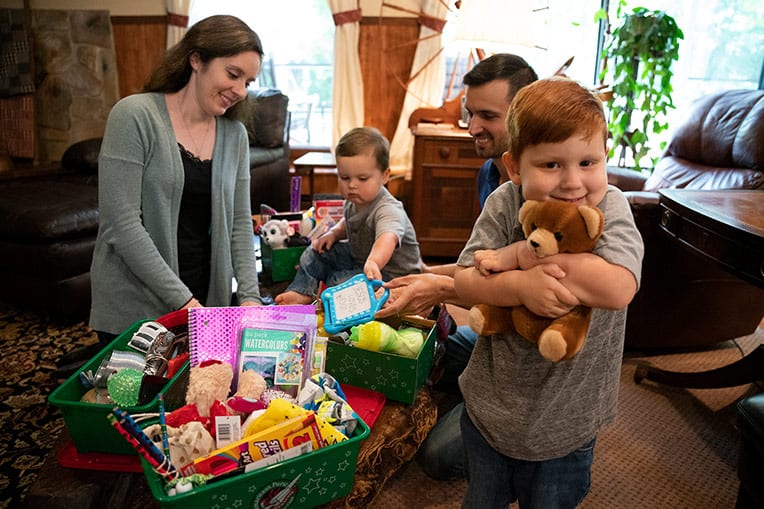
(487, 180)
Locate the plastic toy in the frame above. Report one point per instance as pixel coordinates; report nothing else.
(351, 303)
(380, 337)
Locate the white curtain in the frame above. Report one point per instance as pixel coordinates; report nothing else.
(347, 92)
(425, 88)
(177, 20)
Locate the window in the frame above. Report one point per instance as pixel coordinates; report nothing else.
(298, 40)
(723, 48)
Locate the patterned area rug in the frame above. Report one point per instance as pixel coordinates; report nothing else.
(30, 349)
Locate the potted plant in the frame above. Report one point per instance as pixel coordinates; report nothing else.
(637, 57)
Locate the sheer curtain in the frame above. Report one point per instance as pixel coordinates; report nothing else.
(425, 88)
(177, 20)
(347, 88)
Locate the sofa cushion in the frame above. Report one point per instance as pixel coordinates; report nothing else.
(48, 209)
(260, 156)
(264, 114)
(718, 146)
(82, 156)
(673, 172)
(723, 130)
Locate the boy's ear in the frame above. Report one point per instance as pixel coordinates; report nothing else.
(513, 169)
(386, 176)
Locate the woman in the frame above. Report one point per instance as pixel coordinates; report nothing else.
(175, 224)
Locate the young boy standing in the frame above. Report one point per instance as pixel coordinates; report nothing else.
(381, 242)
(529, 425)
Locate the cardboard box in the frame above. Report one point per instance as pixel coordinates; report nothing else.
(281, 264)
(397, 377)
(87, 423)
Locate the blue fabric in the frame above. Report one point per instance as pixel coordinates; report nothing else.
(497, 480)
(487, 180)
(333, 267)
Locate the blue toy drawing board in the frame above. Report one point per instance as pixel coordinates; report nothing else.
(351, 303)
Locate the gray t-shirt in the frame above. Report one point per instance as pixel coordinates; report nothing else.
(384, 214)
(524, 405)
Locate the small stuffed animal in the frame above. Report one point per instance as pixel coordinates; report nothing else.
(550, 227)
(276, 233)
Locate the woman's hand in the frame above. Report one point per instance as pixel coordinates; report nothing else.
(193, 303)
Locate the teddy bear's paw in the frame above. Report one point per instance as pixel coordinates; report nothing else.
(477, 320)
(552, 345)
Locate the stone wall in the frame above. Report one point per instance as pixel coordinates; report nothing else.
(76, 77)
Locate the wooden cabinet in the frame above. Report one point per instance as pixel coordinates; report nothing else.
(444, 202)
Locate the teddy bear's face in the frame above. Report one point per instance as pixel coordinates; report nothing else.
(553, 227)
(275, 233)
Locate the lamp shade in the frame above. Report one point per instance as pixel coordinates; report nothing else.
(494, 25)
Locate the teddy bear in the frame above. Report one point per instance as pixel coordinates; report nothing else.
(550, 227)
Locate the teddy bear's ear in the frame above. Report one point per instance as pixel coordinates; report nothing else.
(527, 210)
(593, 219)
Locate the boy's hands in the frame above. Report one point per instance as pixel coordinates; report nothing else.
(542, 292)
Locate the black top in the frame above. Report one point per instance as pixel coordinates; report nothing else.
(194, 246)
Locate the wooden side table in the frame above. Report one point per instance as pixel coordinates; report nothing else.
(306, 164)
(444, 202)
(726, 226)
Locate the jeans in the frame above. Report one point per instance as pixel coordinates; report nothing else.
(495, 480)
(316, 267)
(333, 267)
(441, 455)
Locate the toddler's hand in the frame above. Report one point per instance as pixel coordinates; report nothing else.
(324, 242)
(371, 269)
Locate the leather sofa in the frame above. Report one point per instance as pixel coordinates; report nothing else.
(750, 423)
(686, 300)
(50, 222)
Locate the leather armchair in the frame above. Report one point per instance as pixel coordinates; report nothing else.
(686, 300)
(264, 114)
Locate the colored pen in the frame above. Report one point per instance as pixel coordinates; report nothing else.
(163, 425)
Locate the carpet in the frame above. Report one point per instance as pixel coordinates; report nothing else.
(669, 447)
(30, 348)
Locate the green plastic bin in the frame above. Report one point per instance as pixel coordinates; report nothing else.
(397, 377)
(87, 423)
(281, 263)
(298, 483)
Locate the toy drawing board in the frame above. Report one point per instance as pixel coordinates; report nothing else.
(351, 303)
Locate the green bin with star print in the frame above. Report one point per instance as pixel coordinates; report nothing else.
(397, 377)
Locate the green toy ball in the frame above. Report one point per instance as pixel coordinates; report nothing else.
(125, 386)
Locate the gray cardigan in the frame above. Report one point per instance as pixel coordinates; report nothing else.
(134, 273)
